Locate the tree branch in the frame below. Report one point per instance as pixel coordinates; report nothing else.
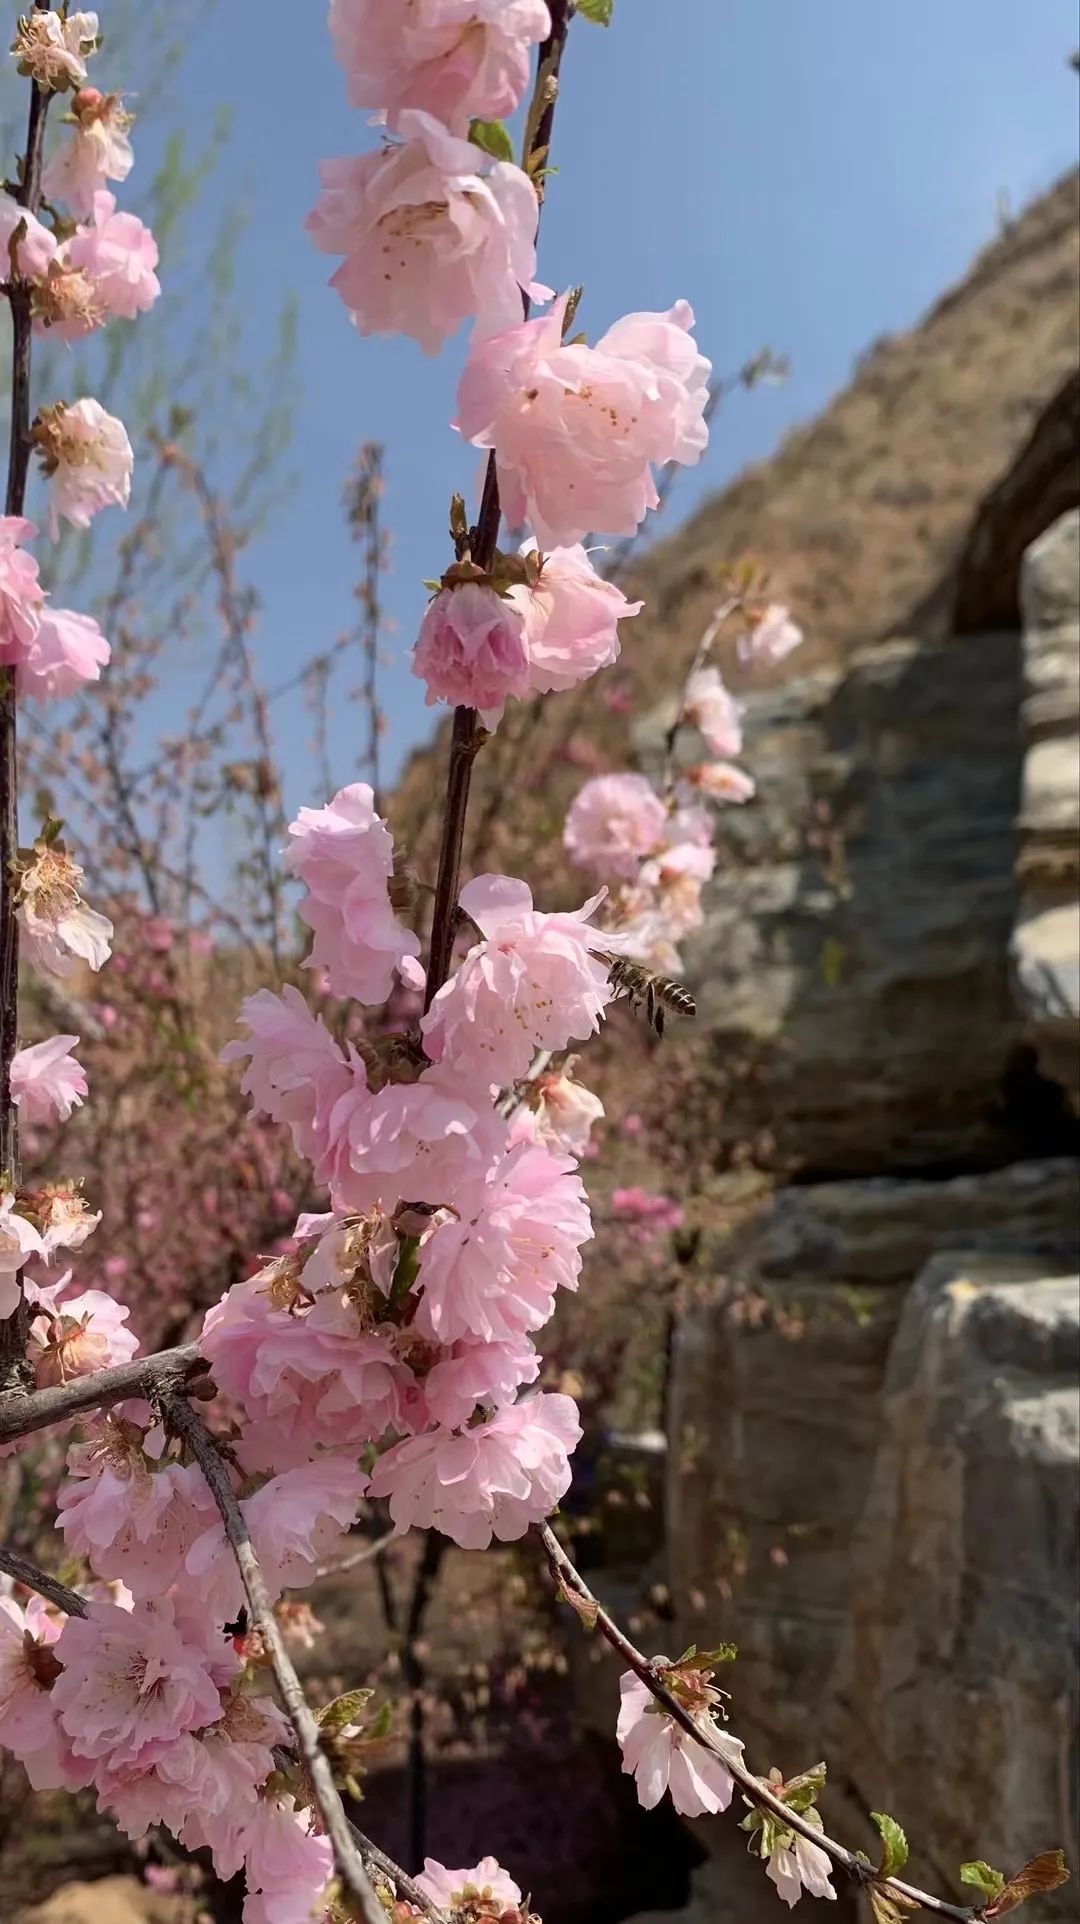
(861, 1873)
(168, 1372)
(31, 1578)
(468, 737)
(28, 195)
(183, 1420)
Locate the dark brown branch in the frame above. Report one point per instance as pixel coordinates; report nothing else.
(168, 1372)
(378, 1861)
(186, 1424)
(468, 736)
(424, 1583)
(28, 195)
(31, 1578)
(857, 1868)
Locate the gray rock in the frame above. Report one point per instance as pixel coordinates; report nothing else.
(1046, 939)
(776, 1414)
(959, 1665)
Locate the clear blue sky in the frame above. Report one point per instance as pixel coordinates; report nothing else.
(810, 173)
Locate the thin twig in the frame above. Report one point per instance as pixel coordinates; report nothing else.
(31, 1578)
(860, 1871)
(378, 1861)
(167, 1372)
(190, 1427)
(701, 655)
(367, 1555)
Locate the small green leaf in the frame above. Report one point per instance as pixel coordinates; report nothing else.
(801, 1791)
(598, 11)
(492, 137)
(896, 1845)
(1042, 1873)
(983, 1877)
(343, 1711)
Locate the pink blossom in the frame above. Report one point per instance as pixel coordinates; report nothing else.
(19, 1240)
(496, 1479)
(82, 1334)
(721, 782)
(713, 710)
(27, 1670)
(493, 1270)
(314, 1376)
(571, 617)
(118, 255)
(344, 855)
(662, 1756)
(796, 1865)
(64, 1220)
(51, 48)
(456, 59)
(427, 242)
(36, 248)
(533, 983)
(295, 1521)
(417, 1142)
(96, 150)
(614, 822)
(772, 636)
(67, 651)
(46, 1081)
(131, 1679)
(128, 1517)
(657, 1214)
(471, 650)
(576, 430)
(288, 1865)
(21, 596)
(87, 457)
(565, 1111)
(296, 1071)
(472, 1375)
(486, 1884)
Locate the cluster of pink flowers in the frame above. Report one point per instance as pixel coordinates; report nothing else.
(658, 843)
(433, 233)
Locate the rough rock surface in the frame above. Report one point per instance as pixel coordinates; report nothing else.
(111, 1900)
(1046, 940)
(962, 1637)
(775, 1414)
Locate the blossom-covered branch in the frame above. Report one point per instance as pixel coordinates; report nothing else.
(183, 1420)
(705, 1732)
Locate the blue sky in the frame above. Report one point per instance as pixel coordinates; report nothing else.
(809, 173)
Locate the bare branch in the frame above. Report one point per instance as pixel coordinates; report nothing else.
(855, 1867)
(167, 1372)
(191, 1428)
(31, 1578)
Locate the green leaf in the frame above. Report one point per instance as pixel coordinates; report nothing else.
(896, 1846)
(343, 1711)
(598, 11)
(1042, 1873)
(587, 1607)
(492, 138)
(983, 1877)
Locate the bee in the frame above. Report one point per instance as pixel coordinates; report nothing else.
(241, 1627)
(658, 995)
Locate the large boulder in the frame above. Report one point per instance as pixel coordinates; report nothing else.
(775, 1415)
(1046, 939)
(954, 1704)
(852, 977)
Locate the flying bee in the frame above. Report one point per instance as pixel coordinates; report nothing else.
(241, 1626)
(658, 995)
